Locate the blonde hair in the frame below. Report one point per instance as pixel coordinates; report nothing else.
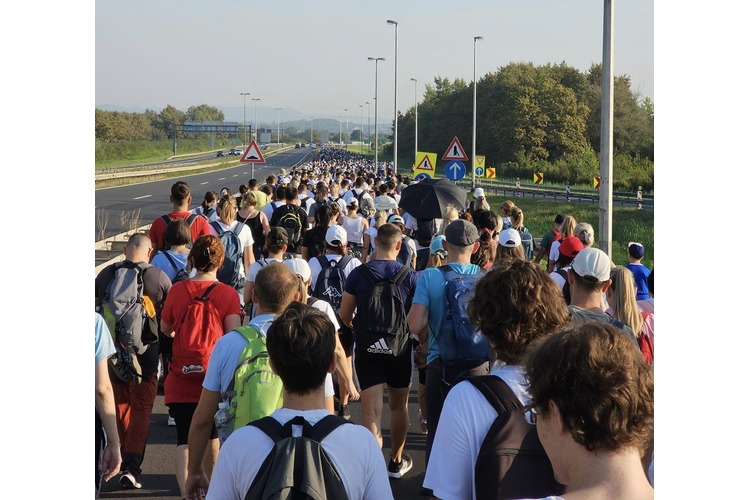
(516, 218)
(621, 296)
(506, 206)
(249, 200)
(227, 209)
(449, 214)
(568, 226)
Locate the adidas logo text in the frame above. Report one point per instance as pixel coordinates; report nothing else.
(380, 347)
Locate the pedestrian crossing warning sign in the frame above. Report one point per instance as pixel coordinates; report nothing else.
(253, 154)
(425, 163)
(455, 151)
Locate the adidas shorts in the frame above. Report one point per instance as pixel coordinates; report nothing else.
(374, 369)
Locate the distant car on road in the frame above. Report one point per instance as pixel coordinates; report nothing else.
(264, 146)
(236, 151)
(296, 146)
(220, 153)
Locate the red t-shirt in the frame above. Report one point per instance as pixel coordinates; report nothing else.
(179, 388)
(198, 228)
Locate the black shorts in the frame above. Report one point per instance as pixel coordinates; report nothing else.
(346, 337)
(374, 369)
(183, 416)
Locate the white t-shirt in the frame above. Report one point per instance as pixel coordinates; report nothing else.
(325, 308)
(554, 250)
(354, 228)
(352, 448)
(245, 236)
(315, 267)
(256, 266)
(464, 422)
(558, 278)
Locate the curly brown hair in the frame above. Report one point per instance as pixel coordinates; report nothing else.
(597, 377)
(514, 304)
(207, 253)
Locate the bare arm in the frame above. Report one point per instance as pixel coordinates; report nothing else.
(248, 257)
(305, 252)
(105, 407)
(264, 222)
(231, 322)
(344, 369)
(417, 319)
(200, 433)
(346, 310)
(365, 248)
(166, 328)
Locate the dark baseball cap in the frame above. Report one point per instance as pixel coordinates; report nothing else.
(461, 233)
(278, 235)
(559, 219)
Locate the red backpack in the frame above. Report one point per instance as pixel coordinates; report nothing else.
(645, 343)
(196, 333)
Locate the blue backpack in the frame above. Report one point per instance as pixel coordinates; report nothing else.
(461, 345)
(229, 272)
(330, 283)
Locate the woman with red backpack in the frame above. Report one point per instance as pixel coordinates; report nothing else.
(624, 307)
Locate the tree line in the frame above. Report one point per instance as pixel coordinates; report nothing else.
(537, 118)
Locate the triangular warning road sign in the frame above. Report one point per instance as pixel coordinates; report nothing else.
(425, 165)
(455, 151)
(252, 154)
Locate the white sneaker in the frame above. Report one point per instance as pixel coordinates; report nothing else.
(170, 421)
(128, 481)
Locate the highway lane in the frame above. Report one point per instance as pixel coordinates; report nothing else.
(152, 198)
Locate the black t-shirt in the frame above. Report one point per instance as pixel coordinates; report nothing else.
(292, 246)
(314, 240)
(357, 285)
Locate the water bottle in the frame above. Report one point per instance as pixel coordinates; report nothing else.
(221, 419)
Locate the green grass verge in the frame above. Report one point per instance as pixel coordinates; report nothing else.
(628, 224)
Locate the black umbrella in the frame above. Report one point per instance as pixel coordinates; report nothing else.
(428, 198)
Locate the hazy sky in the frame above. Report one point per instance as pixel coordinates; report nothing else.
(311, 56)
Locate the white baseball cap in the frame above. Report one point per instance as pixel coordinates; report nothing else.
(336, 233)
(479, 193)
(592, 263)
(510, 238)
(300, 267)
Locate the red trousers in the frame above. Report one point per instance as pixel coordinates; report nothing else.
(133, 406)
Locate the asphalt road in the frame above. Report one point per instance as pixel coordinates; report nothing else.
(152, 198)
(159, 481)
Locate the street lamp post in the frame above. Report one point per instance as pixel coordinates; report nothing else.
(244, 127)
(395, 96)
(416, 122)
(376, 59)
(368, 120)
(361, 128)
(339, 130)
(474, 119)
(346, 110)
(255, 121)
(278, 126)
(311, 130)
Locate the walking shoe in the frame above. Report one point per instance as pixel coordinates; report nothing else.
(344, 412)
(129, 482)
(170, 421)
(397, 471)
(422, 423)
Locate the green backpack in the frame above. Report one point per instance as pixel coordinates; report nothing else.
(255, 391)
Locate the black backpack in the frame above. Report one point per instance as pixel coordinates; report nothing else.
(330, 283)
(566, 286)
(182, 273)
(426, 229)
(380, 324)
(512, 462)
(290, 220)
(406, 253)
(297, 467)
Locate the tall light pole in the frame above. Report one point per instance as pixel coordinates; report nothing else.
(605, 144)
(255, 122)
(361, 128)
(339, 130)
(395, 96)
(416, 121)
(278, 126)
(474, 119)
(244, 127)
(347, 119)
(376, 59)
(368, 119)
(311, 130)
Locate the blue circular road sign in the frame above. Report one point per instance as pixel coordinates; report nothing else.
(455, 170)
(419, 177)
(479, 171)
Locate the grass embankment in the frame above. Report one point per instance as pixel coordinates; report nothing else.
(121, 153)
(628, 224)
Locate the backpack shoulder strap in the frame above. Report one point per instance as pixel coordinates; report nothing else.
(401, 274)
(208, 290)
(271, 427)
(326, 425)
(238, 228)
(171, 261)
(496, 392)
(447, 271)
(166, 219)
(368, 274)
(323, 262)
(343, 261)
(191, 218)
(217, 227)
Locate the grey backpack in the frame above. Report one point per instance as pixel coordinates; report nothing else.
(131, 319)
(297, 467)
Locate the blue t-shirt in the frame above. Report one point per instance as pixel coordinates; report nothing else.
(430, 293)
(640, 274)
(162, 262)
(357, 285)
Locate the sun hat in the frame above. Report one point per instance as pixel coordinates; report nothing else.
(436, 246)
(510, 238)
(479, 193)
(384, 202)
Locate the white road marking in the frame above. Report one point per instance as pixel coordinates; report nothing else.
(141, 197)
(203, 183)
(234, 175)
(222, 179)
